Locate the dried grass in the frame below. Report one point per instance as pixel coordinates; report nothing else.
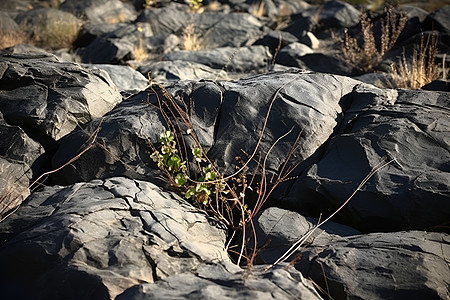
(421, 70)
(258, 9)
(369, 56)
(192, 40)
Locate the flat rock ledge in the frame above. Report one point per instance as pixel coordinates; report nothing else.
(126, 238)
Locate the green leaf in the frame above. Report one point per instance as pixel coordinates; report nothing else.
(166, 137)
(202, 188)
(189, 193)
(197, 152)
(174, 162)
(180, 179)
(210, 176)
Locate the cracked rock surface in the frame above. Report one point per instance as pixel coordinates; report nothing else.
(103, 237)
(394, 265)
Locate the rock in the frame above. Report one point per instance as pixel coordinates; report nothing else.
(412, 192)
(438, 20)
(227, 282)
(103, 237)
(53, 96)
(278, 229)
(122, 144)
(89, 32)
(306, 102)
(20, 159)
(290, 55)
(382, 266)
(49, 27)
(22, 49)
(113, 47)
(338, 14)
(318, 62)
(276, 40)
(100, 11)
(310, 40)
(176, 70)
(244, 60)
(10, 32)
(229, 118)
(217, 29)
(300, 25)
(437, 85)
(125, 78)
(379, 79)
(370, 266)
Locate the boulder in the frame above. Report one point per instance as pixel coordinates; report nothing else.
(409, 127)
(291, 54)
(300, 24)
(438, 20)
(50, 28)
(217, 29)
(100, 11)
(318, 62)
(121, 144)
(349, 265)
(398, 265)
(338, 14)
(126, 79)
(10, 32)
(113, 47)
(53, 96)
(244, 60)
(94, 240)
(227, 116)
(175, 70)
(223, 282)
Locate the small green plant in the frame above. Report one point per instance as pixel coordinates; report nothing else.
(196, 5)
(170, 162)
(369, 56)
(234, 199)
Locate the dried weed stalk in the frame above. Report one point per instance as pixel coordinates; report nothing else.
(422, 68)
(369, 56)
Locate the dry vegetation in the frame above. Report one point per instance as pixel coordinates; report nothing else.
(192, 40)
(367, 57)
(421, 69)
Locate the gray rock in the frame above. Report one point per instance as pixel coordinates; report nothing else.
(94, 240)
(14, 184)
(300, 24)
(245, 59)
(10, 32)
(306, 102)
(412, 192)
(125, 78)
(113, 47)
(217, 29)
(100, 11)
(438, 20)
(50, 28)
(396, 265)
(122, 144)
(176, 70)
(227, 282)
(21, 159)
(338, 14)
(292, 53)
(227, 117)
(53, 96)
(310, 40)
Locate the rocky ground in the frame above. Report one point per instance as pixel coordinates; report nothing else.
(77, 114)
